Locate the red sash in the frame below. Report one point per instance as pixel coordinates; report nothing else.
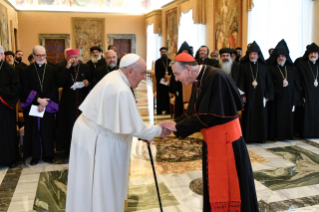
(5, 103)
(224, 192)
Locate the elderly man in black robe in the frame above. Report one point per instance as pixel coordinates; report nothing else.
(9, 95)
(96, 59)
(74, 72)
(9, 57)
(203, 57)
(162, 73)
(286, 86)
(111, 65)
(228, 65)
(39, 90)
(256, 84)
(308, 72)
(228, 180)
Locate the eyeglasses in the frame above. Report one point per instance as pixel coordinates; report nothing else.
(40, 55)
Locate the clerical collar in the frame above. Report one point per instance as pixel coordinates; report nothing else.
(254, 63)
(125, 78)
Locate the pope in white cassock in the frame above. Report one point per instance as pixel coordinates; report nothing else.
(102, 139)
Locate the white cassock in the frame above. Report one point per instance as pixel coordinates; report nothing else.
(101, 146)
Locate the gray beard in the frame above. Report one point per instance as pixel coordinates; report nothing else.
(95, 59)
(281, 63)
(40, 63)
(226, 66)
(111, 66)
(313, 59)
(11, 63)
(253, 61)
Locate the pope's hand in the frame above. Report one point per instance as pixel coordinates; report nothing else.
(165, 132)
(170, 125)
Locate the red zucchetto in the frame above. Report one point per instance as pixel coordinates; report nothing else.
(73, 52)
(184, 57)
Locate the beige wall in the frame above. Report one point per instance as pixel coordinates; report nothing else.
(12, 18)
(31, 24)
(315, 34)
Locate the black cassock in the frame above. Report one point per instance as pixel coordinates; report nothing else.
(215, 101)
(162, 91)
(254, 116)
(101, 72)
(69, 105)
(61, 66)
(19, 66)
(280, 115)
(94, 66)
(310, 111)
(235, 72)
(9, 95)
(177, 89)
(39, 132)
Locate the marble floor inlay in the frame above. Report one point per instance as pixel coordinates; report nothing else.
(51, 192)
(144, 197)
(305, 172)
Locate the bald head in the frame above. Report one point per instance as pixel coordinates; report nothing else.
(135, 72)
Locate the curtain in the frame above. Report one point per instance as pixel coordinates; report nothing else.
(193, 34)
(273, 20)
(154, 43)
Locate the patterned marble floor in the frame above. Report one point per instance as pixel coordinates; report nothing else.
(286, 174)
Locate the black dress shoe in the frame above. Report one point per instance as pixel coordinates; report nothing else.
(13, 165)
(34, 161)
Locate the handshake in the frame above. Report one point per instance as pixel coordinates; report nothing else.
(167, 128)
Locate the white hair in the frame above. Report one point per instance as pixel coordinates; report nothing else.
(38, 48)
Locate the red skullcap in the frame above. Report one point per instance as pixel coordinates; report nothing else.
(72, 52)
(184, 57)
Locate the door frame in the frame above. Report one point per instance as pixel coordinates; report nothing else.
(132, 37)
(65, 37)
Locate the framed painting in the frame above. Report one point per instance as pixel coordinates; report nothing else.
(228, 23)
(171, 32)
(4, 28)
(87, 32)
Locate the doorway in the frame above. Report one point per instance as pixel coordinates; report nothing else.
(55, 50)
(123, 47)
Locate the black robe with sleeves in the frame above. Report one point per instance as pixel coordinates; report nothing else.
(215, 101)
(280, 115)
(69, 106)
(39, 132)
(162, 91)
(310, 111)
(254, 116)
(9, 95)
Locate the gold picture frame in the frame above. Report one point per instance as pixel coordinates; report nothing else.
(5, 43)
(228, 23)
(88, 32)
